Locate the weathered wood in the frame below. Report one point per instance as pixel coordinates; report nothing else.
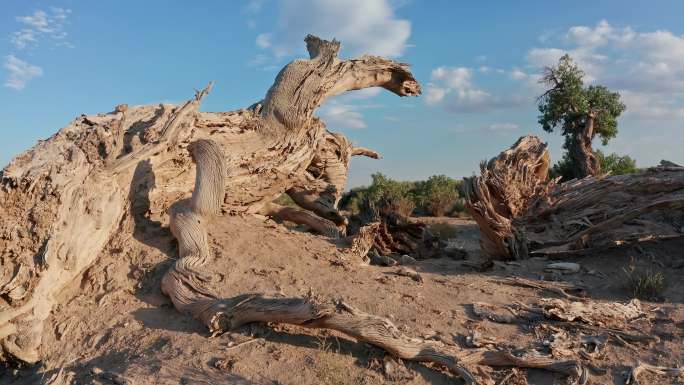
(395, 233)
(521, 213)
(65, 199)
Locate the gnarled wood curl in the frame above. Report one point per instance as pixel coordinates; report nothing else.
(82, 179)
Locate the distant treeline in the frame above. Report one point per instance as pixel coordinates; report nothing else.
(437, 196)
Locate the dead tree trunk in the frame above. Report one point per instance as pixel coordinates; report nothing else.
(581, 151)
(522, 214)
(65, 199)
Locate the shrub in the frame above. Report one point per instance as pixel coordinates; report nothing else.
(403, 206)
(383, 187)
(644, 284)
(437, 195)
(614, 164)
(460, 209)
(352, 199)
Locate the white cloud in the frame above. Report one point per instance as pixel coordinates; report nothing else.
(20, 72)
(517, 74)
(263, 40)
(647, 68)
(38, 20)
(652, 105)
(453, 88)
(453, 77)
(364, 93)
(345, 111)
(499, 127)
(592, 63)
(434, 94)
(451, 80)
(341, 116)
(253, 6)
(23, 38)
(363, 26)
(42, 25)
(588, 37)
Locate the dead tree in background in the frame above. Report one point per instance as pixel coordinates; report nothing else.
(521, 213)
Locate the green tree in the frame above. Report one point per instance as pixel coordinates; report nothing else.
(581, 112)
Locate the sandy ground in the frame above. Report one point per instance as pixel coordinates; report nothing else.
(116, 327)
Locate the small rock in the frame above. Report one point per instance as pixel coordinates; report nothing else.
(407, 260)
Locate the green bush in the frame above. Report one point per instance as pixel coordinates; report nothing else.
(383, 187)
(352, 199)
(437, 196)
(398, 193)
(644, 284)
(614, 164)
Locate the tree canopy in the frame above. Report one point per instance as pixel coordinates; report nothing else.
(581, 112)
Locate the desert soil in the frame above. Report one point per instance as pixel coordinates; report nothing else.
(116, 327)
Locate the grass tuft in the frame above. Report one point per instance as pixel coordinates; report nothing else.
(644, 284)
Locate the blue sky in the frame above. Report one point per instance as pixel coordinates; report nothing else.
(478, 64)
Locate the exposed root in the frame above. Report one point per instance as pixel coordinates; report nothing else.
(302, 217)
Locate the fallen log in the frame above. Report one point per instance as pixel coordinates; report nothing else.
(63, 201)
(521, 213)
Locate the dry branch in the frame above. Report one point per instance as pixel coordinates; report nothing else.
(632, 377)
(396, 234)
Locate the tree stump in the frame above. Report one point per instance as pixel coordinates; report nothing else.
(522, 214)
